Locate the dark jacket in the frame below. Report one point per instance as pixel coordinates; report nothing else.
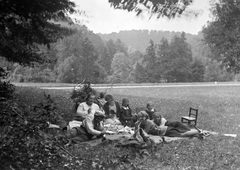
(150, 113)
(148, 125)
(125, 116)
(107, 111)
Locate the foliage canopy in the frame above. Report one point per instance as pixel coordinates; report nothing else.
(168, 62)
(24, 24)
(222, 34)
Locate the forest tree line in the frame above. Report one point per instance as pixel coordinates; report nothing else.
(86, 56)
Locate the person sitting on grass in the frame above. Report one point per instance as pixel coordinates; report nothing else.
(101, 99)
(112, 110)
(150, 109)
(91, 126)
(151, 128)
(144, 122)
(125, 116)
(86, 108)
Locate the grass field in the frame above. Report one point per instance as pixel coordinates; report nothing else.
(219, 107)
(219, 111)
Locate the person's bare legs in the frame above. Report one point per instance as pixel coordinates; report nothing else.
(190, 133)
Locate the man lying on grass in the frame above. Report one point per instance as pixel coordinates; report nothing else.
(155, 128)
(91, 126)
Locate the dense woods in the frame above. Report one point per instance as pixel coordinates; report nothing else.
(136, 56)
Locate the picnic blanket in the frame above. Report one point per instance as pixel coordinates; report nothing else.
(128, 136)
(124, 136)
(120, 130)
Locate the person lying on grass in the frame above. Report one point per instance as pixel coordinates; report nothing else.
(91, 126)
(152, 128)
(161, 121)
(86, 108)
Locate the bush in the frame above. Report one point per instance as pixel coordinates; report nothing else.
(24, 143)
(6, 89)
(80, 95)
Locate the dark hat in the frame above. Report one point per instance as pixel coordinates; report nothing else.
(150, 103)
(108, 97)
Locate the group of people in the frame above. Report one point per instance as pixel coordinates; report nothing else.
(96, 112)
(113, 112)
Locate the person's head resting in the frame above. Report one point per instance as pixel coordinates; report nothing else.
(90, 99)
(150, 106)
(157, 118)
(109, 99)
(142, 115)
(125, 102)
(99, 116)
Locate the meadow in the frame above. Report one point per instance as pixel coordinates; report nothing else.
(219, 110)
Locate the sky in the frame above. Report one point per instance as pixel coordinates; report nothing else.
(101, 18)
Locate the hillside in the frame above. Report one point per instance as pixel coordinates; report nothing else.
(139, 39)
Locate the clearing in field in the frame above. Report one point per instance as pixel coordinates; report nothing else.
(218, 111)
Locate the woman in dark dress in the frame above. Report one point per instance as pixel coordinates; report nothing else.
(126, 117)
(112, 110)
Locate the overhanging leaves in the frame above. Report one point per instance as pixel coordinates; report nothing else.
(162, 8)
(24, 24)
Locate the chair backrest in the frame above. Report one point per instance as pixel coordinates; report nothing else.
(193, 112)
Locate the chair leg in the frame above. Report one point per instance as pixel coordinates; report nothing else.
(189, 122)
(182, 120)
(186, 121)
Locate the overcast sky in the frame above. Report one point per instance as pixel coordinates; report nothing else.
(104, 19)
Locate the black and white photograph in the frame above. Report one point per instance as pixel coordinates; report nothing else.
(119, 84)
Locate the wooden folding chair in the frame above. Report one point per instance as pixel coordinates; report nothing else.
(192, 117)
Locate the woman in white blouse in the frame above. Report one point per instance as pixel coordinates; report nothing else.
(86, 108)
